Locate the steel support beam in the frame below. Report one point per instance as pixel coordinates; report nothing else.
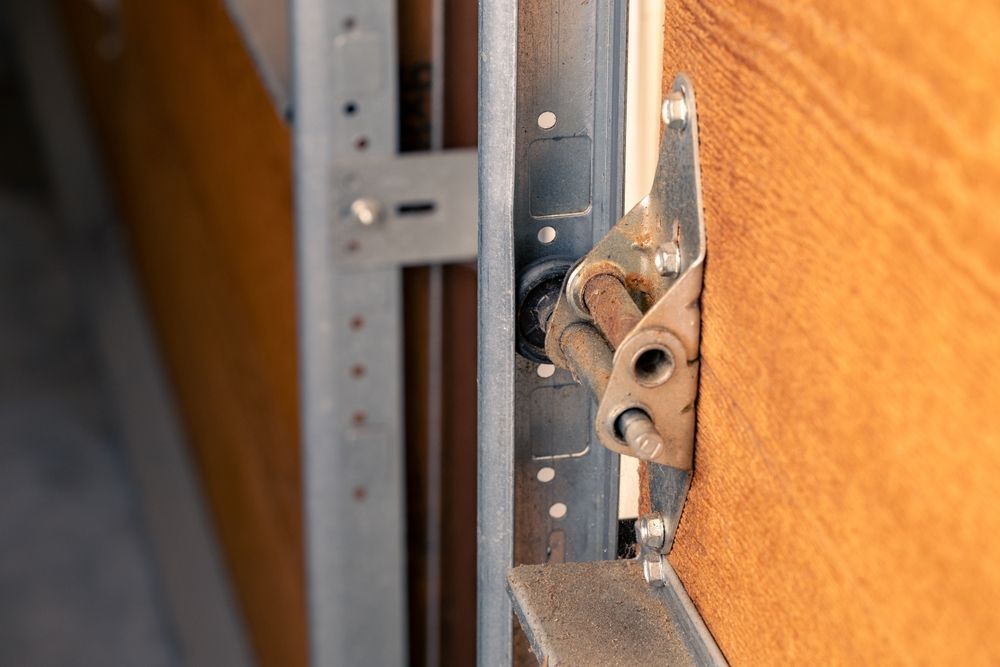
(362, 213)
(344, 53)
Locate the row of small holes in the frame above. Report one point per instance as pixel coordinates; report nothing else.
(546, 235)
(546, 121)
(359, 418)
(546, 475)
(351, 108)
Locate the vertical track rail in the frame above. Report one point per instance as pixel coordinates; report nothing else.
(551, 139)
(495, 488)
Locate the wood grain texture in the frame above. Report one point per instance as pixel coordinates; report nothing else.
(202, 167)
(846, 502)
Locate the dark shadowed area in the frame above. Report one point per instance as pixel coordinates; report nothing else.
(77, 584)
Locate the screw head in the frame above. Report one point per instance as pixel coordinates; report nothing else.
(366, 211)
(675, 110)
(651, 530)
(654, 570)
(668, 260)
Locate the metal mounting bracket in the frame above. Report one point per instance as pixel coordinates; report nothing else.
(415, 208)
(627, 322)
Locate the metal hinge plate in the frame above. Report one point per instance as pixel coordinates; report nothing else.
(627, 323)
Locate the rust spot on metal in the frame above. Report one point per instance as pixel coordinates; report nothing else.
(557, 547)
(588, 355)
(645, 500)
(643, 237)
(641, 288)
(636, 282)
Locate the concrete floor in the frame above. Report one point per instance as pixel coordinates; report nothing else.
(77, 581)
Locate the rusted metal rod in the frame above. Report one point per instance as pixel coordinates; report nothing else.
(589, 356)
(612, 307)
(615, 315)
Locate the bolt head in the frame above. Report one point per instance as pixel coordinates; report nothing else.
(366, 211)
(654, 570)
(675, 110)
(668, 260)
(651, 530)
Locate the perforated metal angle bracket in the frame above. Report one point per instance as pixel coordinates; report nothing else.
(627, 322)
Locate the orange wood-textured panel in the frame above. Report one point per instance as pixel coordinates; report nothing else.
(846, 502)
(203, 171)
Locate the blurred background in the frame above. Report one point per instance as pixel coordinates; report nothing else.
(78, 581)
(150, 483)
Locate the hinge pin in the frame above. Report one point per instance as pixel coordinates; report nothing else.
(637, 430)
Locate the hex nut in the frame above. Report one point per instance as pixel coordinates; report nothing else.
(668, 260)
(654, 570)
(675, 110)
(651, 530)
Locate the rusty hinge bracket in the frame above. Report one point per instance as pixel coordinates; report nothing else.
(627, 322)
